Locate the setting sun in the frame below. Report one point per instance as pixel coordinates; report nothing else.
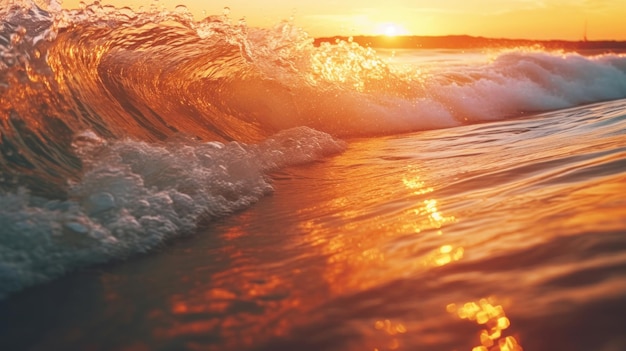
(391, 29)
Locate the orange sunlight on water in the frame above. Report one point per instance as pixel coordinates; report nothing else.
(359, 262)
(349, 250)
(386, 252)
(493, 319)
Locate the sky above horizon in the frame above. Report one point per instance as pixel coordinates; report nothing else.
(527, 19)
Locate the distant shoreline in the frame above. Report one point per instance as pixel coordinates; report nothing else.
(471, 42)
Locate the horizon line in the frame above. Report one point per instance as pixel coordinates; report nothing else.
(405, 36)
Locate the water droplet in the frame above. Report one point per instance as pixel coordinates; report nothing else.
(292, 17)
(77, 227)
(15, 39)
(181, 9)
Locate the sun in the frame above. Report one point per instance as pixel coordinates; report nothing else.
(390, 29)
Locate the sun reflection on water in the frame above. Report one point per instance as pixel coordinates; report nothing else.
(494, 320)
(446, 254)
(429, 210)
(431, 218)
(371, 238)
(392, 329)
(417, 185)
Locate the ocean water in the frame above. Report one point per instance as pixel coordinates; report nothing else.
(173, 184)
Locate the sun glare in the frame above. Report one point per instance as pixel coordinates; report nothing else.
(390, 29)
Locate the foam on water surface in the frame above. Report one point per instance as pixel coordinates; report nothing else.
(133, 196)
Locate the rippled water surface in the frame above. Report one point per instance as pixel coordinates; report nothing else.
(172, 183)
(504, 235)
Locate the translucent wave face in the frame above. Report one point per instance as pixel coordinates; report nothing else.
(230, 81)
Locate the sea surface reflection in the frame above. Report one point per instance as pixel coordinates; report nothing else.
(472, 238)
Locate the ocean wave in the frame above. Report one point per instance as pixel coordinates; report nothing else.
(155, 73)
(120, 129)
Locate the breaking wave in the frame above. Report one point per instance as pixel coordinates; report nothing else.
(121, 129)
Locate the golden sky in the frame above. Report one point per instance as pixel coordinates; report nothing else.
(527, 19)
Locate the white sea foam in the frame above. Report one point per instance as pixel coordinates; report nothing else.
(512, 83)
(347, 90)
(134, 195)
(520, 81)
